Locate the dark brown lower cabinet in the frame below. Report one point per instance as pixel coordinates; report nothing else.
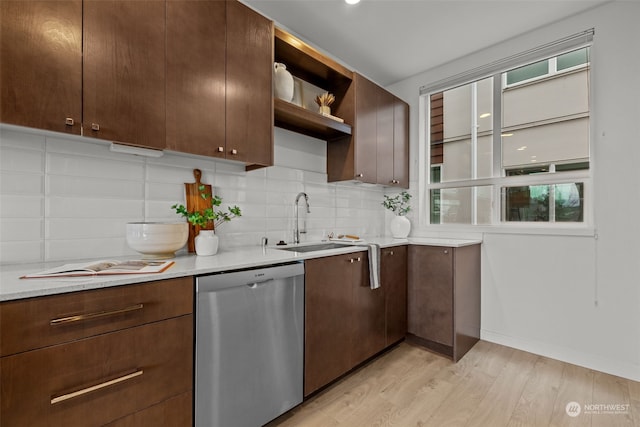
(344, 317)
(393, 277)
(444, 298)
(121, 355)
(368, 308)
(173, 412)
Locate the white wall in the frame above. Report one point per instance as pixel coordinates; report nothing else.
(572, 298)
(66, 198)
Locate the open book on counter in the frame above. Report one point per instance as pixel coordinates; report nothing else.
(100, 268)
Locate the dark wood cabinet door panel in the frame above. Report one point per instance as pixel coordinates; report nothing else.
(196, 45)
(124, 71)
(328, 320)
(467, 296)
(173, 412)
(365, 134)
(34, 323)
(393, 276)
(97, 380)
(430, 302)
(41, 65)
(401, 143)
(385, 138)
(249, 99)
(368, 307)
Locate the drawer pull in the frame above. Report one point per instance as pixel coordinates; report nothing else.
(90, 316)
(96, 387)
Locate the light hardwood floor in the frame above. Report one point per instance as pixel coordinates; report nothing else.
(490, 386)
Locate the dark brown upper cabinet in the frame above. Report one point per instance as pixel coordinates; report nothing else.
(196, 74)
(378, 150)
(249, 86)
(400, 143)
(41, 66)
(124, 71)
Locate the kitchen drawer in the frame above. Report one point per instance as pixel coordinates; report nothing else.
(53, 386)
(40, 322)
(174, 412)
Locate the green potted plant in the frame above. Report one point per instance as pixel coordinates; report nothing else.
(208, 219)
(399, 204)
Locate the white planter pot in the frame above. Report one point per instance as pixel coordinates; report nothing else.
(283, 82)
(206, 243)
(400, 227)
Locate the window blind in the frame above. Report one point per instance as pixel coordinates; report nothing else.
(548, 50)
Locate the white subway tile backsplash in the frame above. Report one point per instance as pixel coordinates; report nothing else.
(13, 206)
(75, 249)
(21, 183)
(73, 207)
(90, 187)
(75, 197)
(21, 252)
(12, 136)
(83, 228)
(21, 160)
(84, 166)
(21, 229)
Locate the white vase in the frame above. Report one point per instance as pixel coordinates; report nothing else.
(206, 243)
(283, 82)
(400, 227)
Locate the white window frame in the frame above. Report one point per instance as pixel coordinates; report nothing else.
(498, 179)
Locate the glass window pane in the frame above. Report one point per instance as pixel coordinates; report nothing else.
(569, 201)
(527, 203)
(455, 205)
(466, 151)
(527, 72)
(572, 59)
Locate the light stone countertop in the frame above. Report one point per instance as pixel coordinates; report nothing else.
(14, 288)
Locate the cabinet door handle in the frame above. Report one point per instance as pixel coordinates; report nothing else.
(360, 175)
(95, 126)
(220, 149)
(358, 259)
(62, 398)
(446, 251)
(234, 151)
(351, 260)
(391, 253)
(69, 121)
(96, 315)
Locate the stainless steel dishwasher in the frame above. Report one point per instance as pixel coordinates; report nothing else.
(249, 345)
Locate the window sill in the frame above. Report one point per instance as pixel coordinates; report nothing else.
(529, 229)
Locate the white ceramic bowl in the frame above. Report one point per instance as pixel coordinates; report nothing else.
(157, 240)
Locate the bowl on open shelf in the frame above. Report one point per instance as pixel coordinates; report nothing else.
(157, 240)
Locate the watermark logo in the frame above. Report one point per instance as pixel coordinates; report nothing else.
(573, 409)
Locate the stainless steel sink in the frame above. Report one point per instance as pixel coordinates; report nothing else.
(312, 248)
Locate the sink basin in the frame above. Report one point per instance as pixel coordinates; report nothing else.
(312, 248)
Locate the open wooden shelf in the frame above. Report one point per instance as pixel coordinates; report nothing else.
(297, 119)
(307, 63)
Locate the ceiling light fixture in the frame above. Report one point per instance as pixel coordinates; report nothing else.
(352, 1)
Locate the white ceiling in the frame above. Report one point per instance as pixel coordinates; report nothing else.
(390, 40)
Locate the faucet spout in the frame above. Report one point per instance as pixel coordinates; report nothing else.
(296, 230)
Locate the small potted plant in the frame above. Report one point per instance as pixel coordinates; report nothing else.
(206, 242)
(399, 204)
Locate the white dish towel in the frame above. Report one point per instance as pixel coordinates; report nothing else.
(374, 265)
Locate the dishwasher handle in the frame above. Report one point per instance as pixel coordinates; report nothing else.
(255, 285)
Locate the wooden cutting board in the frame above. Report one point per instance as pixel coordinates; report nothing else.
(195, 202)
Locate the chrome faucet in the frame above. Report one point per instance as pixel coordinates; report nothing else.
(296, 230)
